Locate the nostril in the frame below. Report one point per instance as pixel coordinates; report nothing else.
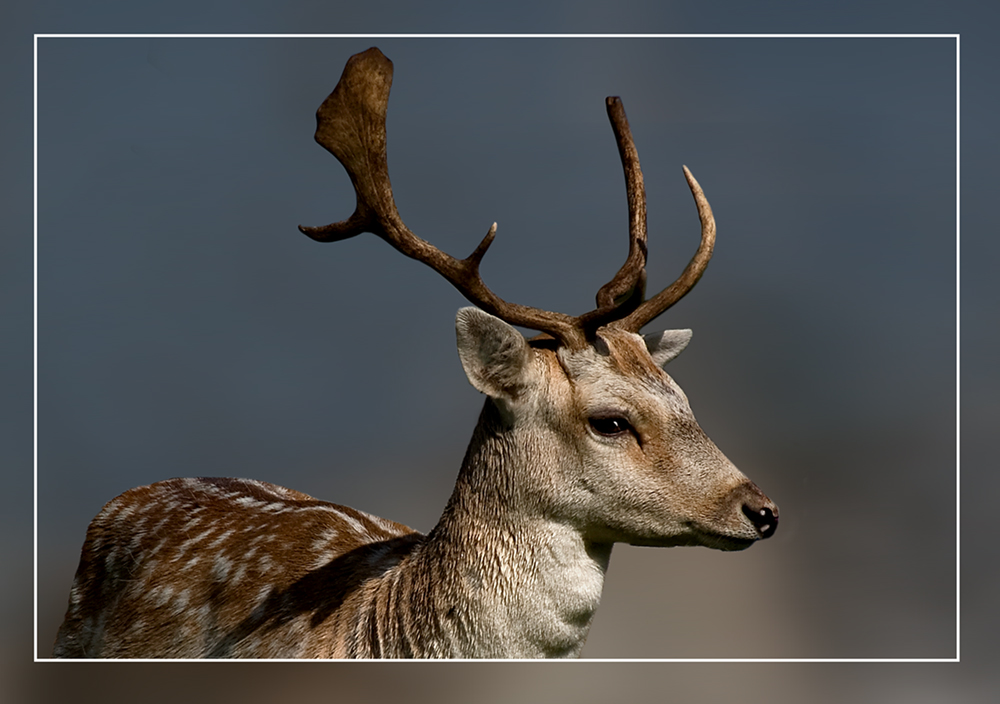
(763, 518)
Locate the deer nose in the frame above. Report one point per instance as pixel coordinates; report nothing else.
(763, 517)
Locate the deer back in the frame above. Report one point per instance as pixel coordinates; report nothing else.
(190, 568)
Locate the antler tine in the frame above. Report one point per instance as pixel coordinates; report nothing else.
(689, 277)
(351, 126)
(628, 285)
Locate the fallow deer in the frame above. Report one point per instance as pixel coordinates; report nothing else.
(583, 442)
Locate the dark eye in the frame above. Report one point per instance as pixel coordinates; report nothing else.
(610, 425)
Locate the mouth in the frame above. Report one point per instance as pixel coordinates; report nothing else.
(720, 541)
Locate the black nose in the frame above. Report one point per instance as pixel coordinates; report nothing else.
(764, 519)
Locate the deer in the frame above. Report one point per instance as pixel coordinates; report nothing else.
(583, 441)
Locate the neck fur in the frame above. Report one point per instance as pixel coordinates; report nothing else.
(507, 580)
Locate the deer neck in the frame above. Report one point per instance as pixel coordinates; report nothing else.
(510, 581)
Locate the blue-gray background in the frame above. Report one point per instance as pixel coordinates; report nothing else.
(186, 328)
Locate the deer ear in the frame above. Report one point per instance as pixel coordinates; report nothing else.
(495, 355)
(664, 346)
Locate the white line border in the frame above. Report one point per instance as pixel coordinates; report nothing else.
(958, 307)
(958, 347)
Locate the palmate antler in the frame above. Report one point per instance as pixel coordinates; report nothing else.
(351, 126)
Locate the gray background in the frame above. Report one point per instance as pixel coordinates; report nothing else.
(186, 328)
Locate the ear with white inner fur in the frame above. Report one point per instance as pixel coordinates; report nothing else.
(664, 346)
(495, 355)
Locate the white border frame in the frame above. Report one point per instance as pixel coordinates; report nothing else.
(958, 307)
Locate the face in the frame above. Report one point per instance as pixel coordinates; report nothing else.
(643, 470)
(607, 440)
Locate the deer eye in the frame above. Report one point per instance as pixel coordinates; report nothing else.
(609, 426)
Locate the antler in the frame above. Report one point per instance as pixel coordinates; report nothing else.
(351, 126)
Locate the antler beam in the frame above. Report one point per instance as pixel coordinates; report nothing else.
(630, 281)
